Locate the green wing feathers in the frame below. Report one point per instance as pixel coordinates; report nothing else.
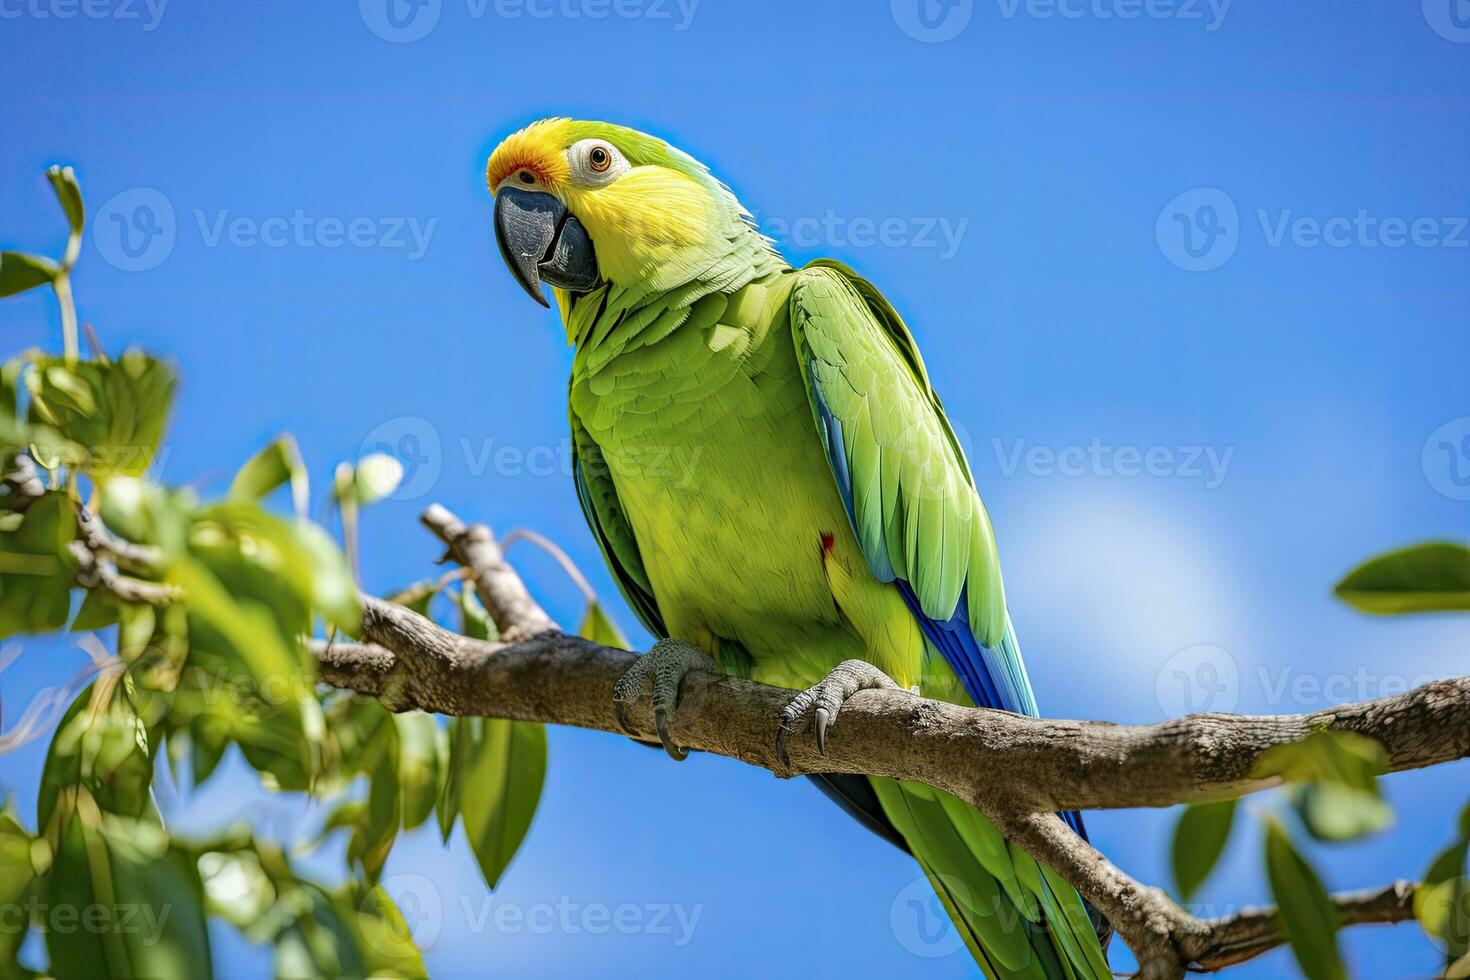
(903, 476)
(1019, 921)
(604, 513)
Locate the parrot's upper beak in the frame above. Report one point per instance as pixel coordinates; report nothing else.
(541, 240)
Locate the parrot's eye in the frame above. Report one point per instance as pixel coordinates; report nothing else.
(527, 177)
(594, 162)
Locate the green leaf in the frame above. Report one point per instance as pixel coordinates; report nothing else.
(1430, 577)
(102, 746)
(421, 755)
(293, 564)
(382, 935)
(1199, 840)
(317, 943)
(418, 596)
(114, 410)
(461, 744)
(64, 183)
(19, 272)
(383, 817)
(1337, 812)
(14, 929)
(140, 511)
(1334, 783)
(37, 567)
(99, 610)
(1307, 914)
(278, 463)
(499, 788)
(474, 621)
(597, 627)
(205, 752)
(247, 589)
(1442, 901)
(15, 863)
(122, 867)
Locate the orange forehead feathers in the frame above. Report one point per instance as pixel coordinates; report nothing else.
(538, 149)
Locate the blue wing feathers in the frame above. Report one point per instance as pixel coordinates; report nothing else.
(956, 642)
(993, 676)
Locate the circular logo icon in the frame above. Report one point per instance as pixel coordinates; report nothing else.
(919, 920)
(135, 231)
(415, 444)
(418, 901)
(400, 21)
(1446, 459)
(1450, 19)
(1200, 678)
(932, 21)
(1199, 230)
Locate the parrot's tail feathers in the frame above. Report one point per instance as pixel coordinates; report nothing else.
(1018, 920)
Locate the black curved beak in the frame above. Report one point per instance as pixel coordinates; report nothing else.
(541, 241)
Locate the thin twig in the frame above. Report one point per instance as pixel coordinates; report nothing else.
(554, 550)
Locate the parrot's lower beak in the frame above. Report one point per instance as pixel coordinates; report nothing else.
(541, 240)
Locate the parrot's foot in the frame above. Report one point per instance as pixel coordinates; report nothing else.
(666, 663)
(845, 680)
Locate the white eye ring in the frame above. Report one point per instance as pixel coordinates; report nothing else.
(595, 161)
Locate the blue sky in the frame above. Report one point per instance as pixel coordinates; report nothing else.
(1192, 279)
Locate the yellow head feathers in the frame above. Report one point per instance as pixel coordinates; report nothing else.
(652, 212)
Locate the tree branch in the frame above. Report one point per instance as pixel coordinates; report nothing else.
(1252, 931)
(1017, 770)
(515, 614)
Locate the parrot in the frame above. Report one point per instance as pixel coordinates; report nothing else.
(779, 495)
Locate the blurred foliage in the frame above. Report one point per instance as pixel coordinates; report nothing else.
(1331, 789)
(206, 605)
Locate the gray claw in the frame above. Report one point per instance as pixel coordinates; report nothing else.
(661, 722)
(823, 719)
(827, 696)
(666, 663)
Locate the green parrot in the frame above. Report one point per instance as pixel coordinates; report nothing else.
(778, 493)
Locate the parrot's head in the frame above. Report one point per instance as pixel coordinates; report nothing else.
(581, 203)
